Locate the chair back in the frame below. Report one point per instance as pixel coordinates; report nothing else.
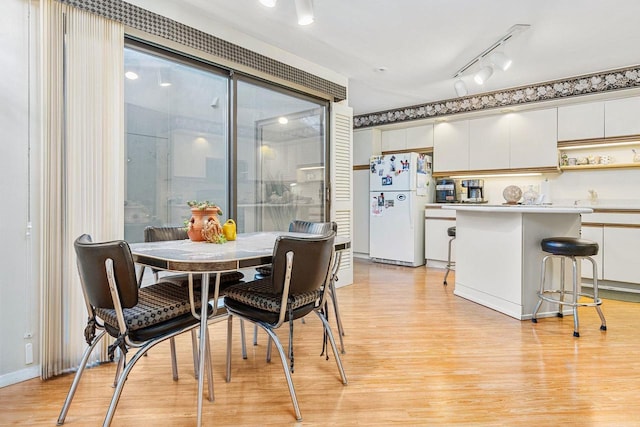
(298, 226)
(158, 234)
(312, 259)
(93, 273)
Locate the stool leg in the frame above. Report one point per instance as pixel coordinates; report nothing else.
(576, 325)
(596, 299)
(562, 260)
(541, 291)
(444, 282)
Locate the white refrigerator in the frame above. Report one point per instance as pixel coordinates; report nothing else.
(399, 187)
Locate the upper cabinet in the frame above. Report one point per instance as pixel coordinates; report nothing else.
(582, 121)
(418, 138)
(533, 139)
(622, 117)
(489, 143)
(366, 143)
(451, 146)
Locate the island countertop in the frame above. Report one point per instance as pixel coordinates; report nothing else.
(519, 208)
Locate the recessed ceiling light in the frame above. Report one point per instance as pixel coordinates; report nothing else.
(381, 69)
(268, 3)
(283, 120)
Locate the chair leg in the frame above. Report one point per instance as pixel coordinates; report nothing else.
(334, 301)
(209, 367)
(255, 335)
(285, 366)
(194, 350)
(336, 355)
(76, 379)
(229, 332)
(269, 350)
(242, 338)
(122, 360)
(603, 325)
(449, 264)
(174, 362)
(576, 296)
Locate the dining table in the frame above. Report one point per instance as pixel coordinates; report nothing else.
(185, 256)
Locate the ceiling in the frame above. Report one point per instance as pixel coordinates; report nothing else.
(406, 52)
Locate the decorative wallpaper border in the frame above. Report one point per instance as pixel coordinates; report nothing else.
(158, 25)
(624, 78)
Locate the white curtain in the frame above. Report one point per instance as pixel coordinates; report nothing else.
(83, 166)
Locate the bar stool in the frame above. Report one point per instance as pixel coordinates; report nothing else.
(573, 249)
(451, 232)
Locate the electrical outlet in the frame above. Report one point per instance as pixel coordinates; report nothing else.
(28, 353)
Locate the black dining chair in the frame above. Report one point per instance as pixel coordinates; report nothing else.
(301, 274)
(135, 317)
(299, 226)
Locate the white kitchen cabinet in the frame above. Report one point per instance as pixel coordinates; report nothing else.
(436, 239)
(360, 243)
(621, 254)
(489, 143)
(622, 117)
(581, 121)
(451, 146)
(420, 137)
(366, 143)
(394, 140)
(534, 139)
(595, 234)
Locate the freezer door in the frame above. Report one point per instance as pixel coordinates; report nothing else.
(393, 172)
(391, 226)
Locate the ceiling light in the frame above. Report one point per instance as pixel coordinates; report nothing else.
(500, 60)
(268, 3)
(163, 78)
(131, 75)
(483, 75)
(460, 87)
(304, 9)
(283, 120)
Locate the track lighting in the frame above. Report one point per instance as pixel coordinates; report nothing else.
(460, 87)
(500, 60)
(304, 9)
(483, 75)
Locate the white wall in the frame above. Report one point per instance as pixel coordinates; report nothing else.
(18, 262)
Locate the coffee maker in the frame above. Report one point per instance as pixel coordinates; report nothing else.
(445, 191)
(473, 191)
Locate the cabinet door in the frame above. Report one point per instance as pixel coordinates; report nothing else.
(582, 121)
(360, 242)
(622, 117)
(394, 140)
(489, 143)
(366, 143)
(621, 254)
(451, 146)
(436, 240)
(594, 234)
(534, 139)
(420, 137)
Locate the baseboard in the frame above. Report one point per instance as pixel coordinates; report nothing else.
(19, 376)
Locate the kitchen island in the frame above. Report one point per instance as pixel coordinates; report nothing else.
(498, 255)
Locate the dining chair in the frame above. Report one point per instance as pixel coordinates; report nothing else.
(160, 234)
(135, 317)
(301, 274)
(300, 226)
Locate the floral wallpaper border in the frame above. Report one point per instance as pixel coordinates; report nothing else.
(624, 78)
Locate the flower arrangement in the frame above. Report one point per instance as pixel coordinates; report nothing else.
(194, 204)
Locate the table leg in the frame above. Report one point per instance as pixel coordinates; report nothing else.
(203, 346)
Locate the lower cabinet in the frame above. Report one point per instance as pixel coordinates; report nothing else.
(595, 234)
(436, 239)
(621, 254)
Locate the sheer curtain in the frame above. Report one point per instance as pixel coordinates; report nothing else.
(83, 165)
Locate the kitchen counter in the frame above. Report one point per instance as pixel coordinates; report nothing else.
(498, 253)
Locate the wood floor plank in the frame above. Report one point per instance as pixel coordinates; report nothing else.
(416, 355)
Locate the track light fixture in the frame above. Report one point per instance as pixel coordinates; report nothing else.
(487, 60)
(304, 9)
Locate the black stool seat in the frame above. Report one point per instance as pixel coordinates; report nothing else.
(451, 232)
(569, 246)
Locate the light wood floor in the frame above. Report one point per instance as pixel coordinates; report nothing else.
(416, 355)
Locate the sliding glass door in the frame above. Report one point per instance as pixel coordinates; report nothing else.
(262, 161)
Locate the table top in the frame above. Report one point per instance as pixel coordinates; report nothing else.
(248, 250)
(545, 209)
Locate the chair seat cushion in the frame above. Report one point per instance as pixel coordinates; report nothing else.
(260, 294)
(156, 304)
(569, 246)
(264, 271)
